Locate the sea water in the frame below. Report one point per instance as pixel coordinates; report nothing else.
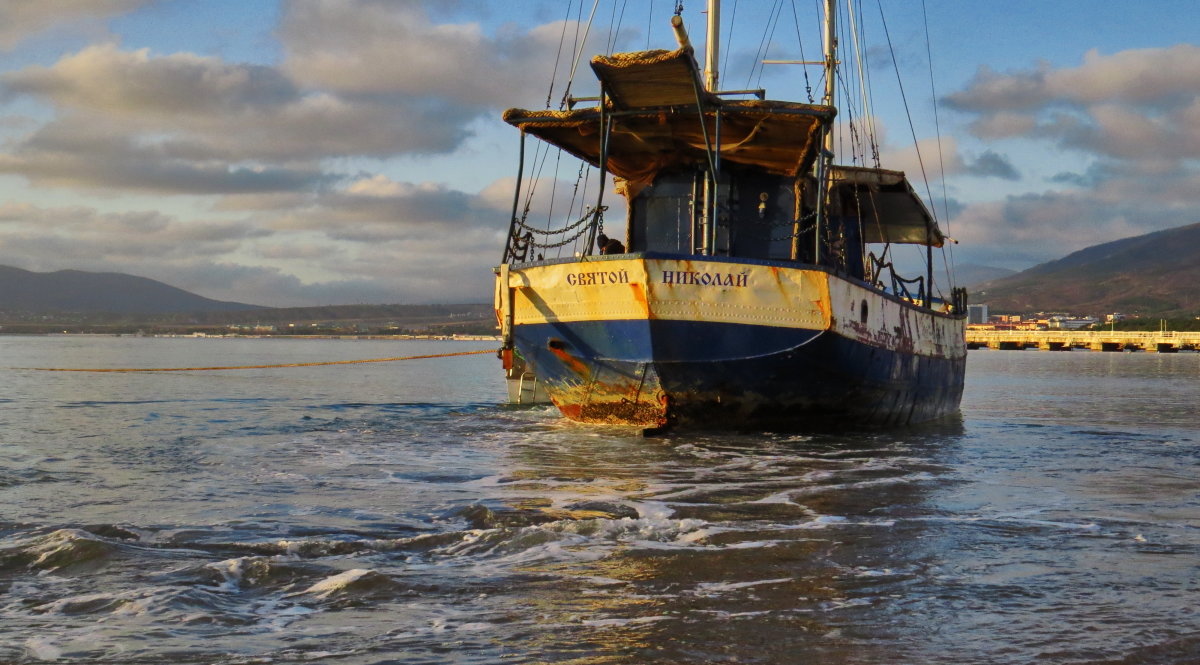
(398, 513)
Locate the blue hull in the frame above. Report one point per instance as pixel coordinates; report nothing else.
(658, 373)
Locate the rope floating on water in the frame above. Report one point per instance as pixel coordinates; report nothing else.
(206, 369)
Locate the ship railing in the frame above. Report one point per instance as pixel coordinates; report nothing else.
(898, 285)
(524, 238)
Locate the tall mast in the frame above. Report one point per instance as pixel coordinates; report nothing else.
(831, 63)
(712, 46)
(825, 162)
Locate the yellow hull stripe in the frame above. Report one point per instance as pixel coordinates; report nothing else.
(670, 289)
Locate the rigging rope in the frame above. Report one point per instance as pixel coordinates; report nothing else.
(800, 41)
(581, 43)
(729, 39)
(558, 56)
(764, 44)
(209, 369)
(614, 24)
(864, 90)
(948, 265)
(649, 24)
(911, 127)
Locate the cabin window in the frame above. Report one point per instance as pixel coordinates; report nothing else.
(662, 216)
(756, 216)
(761, 216)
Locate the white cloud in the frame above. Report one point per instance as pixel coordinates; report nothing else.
(1130, 121)
(376, 48)
(21, 19)
(1137, 104)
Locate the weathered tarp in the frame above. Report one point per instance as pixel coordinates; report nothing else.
(657, 122)
(780, 137)
(890, 210)
(651, 78)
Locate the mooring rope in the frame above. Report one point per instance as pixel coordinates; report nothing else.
(206, 369)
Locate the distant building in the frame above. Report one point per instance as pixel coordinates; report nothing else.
(977, 313)
(1071, 323)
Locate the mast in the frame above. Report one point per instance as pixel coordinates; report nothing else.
(825, 162)
(712, 46)
(831, 45)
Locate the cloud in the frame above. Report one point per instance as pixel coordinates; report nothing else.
(992, 165)
(37, 236)
(195, 124)
(378, 48)
(76, 154)
(249, 260)
(1022, 230)
(1131, 123)
(928, 161)
(372, 239)
(373, 80)
(289, 156)
(135, 83)
(1138, 105)
(21, 19)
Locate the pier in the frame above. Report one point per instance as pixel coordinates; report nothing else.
(1092, 340)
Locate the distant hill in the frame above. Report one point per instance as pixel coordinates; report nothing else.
(1157, 274)
(424, 317)
(79, 291)
(969, 275)
(77, 301)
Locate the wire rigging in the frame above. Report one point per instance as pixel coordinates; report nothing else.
(614, 26)
(562, 37)
(866, 112)
(800, 42)
(649, 24)
(729, 37)
(948, 265)
(580, 44)
(764, 43)
(904, 98)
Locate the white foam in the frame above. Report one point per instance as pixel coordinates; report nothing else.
(716, 588)
(336, 583)
(41, 648)
(605, 623)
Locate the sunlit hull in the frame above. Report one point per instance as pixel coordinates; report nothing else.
(657, 340)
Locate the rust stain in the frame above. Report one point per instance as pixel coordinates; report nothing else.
(623, 402)
(639, 297)
(574, 364)
(824, 306)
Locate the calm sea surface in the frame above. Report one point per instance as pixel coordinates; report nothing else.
(396, 513)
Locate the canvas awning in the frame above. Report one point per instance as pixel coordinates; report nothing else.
(645, 79)
(891, 211)
(657, 123)
(776, 136)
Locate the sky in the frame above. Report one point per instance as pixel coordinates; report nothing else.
(311, 152)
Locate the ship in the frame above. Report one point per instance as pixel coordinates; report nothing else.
(753, 289)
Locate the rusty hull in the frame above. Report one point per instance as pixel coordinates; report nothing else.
(654, 341)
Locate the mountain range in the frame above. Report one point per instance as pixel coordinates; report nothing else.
(110, 292)
(1157, 274)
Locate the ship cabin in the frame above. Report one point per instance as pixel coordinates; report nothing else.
(704, 175)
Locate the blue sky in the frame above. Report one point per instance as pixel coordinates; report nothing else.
(350, 151)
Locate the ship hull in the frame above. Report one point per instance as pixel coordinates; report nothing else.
(732, 344)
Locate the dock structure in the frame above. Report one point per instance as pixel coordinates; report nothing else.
(1092, 340)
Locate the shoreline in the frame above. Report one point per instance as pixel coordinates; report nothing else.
(446, 338)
